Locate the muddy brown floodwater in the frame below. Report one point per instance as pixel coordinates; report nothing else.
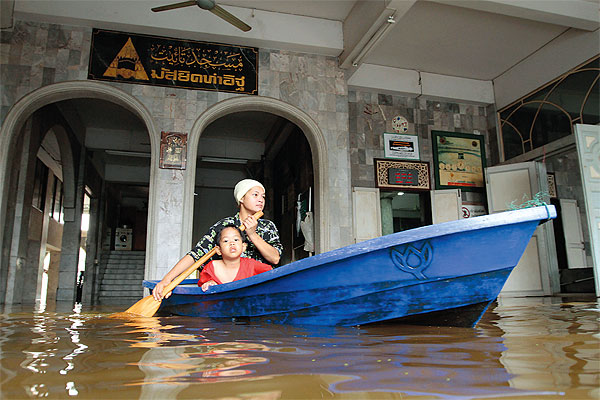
(523, 348)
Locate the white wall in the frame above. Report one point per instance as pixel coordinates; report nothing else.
(412, 83)
(574, 47)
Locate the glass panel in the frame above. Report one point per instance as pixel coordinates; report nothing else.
(590, 113)
(541, 94)
(39, 185)
(522, 119)
(513, 145)
(57, 201)
(550, 125)
(569, 94)
(54, 180)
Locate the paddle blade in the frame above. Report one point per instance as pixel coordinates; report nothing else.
(146, 307)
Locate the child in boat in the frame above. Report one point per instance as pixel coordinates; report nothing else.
(230, 246)
(263, 238)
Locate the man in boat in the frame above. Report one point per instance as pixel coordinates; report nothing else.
(263, 238)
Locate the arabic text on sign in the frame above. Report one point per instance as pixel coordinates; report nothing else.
(203, 58)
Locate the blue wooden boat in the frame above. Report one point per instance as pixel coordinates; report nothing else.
(443, 274)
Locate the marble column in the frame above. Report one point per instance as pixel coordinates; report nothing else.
(387, 216)
(20, 221)
(168, 246)
(67, 276)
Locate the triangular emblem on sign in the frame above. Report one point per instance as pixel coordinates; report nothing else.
(127, 64)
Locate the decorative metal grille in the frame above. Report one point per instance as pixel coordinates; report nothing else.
(549, 113)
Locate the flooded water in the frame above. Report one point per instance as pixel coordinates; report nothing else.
(524, 348)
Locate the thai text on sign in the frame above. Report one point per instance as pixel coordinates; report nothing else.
(151, 60)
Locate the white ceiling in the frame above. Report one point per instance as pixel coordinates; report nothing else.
(446, 40)
(477, 39)
(336, 10)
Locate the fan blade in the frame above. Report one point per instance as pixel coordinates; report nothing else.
(174, 6)
(233, 20)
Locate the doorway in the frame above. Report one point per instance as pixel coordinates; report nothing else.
(401, 210)
(62, 203)
(257, 145)
(72, 133)
(575, 275)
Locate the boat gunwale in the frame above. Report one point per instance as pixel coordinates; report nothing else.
(540, 213)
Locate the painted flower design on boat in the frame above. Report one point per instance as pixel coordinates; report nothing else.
(413, 258)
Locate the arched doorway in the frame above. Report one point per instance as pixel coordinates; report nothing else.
(262, 146)
(295, 116)
(15, 123)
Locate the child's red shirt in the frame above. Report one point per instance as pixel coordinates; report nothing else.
(248, 267)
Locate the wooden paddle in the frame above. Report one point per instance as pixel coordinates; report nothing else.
(148, 306)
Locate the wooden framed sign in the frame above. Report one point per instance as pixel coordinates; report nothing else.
(173, 150)
(402, 175)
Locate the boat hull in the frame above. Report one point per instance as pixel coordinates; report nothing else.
(424, 275)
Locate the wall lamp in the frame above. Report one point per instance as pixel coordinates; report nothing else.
(377, 36)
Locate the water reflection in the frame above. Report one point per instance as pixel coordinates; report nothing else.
(443, 362)
(525, 348)
(550, 343)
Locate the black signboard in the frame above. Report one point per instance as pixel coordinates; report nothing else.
(160, 61)
(403, 176)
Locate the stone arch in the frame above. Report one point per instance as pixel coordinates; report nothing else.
(28, 104)
(311, 131)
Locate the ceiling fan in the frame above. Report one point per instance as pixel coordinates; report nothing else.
(211, 6)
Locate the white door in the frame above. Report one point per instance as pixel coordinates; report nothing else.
(587, 138)
(446, 205)
(512, 185)
(573, 234)
(366, 213)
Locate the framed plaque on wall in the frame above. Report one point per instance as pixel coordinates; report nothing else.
(173, 150)
(399, 146)
(402, 175)
(459, 160)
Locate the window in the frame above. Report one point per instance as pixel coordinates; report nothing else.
(40, 182)
(56, 204)
(550, 112)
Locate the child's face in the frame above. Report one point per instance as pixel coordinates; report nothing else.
(231, 244)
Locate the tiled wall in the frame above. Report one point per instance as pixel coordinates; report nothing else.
(33, 55)
(371, 113)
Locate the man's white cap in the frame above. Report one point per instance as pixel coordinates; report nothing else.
(243, 187)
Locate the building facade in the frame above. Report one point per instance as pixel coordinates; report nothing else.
(339, 122)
